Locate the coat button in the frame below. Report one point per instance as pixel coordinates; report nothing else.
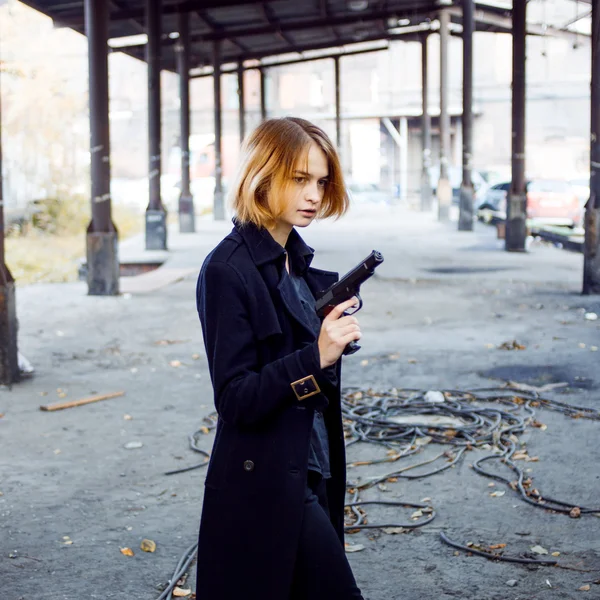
(248, 466)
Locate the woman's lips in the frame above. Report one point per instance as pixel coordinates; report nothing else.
(308, 212)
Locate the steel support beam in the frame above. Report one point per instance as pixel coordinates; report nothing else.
(466, 209)
(101, 237)
(338, 105)
(9, 357)
(426, 191)
(187, 222)
(444, 189)
(516, 218)
(591, 264)
(156, 215)
(241, 102)
(219, 201)
(263, 94)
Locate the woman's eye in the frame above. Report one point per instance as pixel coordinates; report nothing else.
(322, 183)
(299, 179)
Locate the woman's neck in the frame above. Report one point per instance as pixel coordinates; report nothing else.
(281, 233)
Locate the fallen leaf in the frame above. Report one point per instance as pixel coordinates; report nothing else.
(412, 361)
(556, 554)
(353, 547)
(426, 499)
(590, 316)
(127, 417)
(585, 588)
(180, 592)
(491, 484)
(195, 356)
(497, 546)
(581, 345)
(416, 514)
(394, 530)
(1, 415)
(539, 550)
(575, 512)
(364, 363)
(175, 363)
(133, 445)
(148, 545)
(204, 429)
(382, 487)
(392, 479)
(497, 494)
(127, 551)
(57, 451)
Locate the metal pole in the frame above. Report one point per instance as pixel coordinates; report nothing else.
(444, 189)
(156, 216)
(241, 101)
(263, 95)
(465, 218)
(186, 200)
(219, 204)
(516, 218)
(101, 238)
(426, 191)
(591, 264)
(338, 108)
(9, 357)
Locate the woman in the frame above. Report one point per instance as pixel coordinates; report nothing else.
(273, 514)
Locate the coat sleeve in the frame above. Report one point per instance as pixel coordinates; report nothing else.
(245, 393)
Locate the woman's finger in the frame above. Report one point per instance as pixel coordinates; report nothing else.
(338, 311)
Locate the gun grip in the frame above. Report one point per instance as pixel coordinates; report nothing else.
(351, 348)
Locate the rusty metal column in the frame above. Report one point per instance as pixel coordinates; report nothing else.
(516, 217)
(338, 105)
(9, 357)
(465, 216)
(426, 191)
(218, 202)
(444, 189)
(187, 220)
(591, 264)
(156, 215)
(101, 238)
(241, 101)
(263, 95)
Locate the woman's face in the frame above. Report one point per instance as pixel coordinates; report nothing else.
(305, 193)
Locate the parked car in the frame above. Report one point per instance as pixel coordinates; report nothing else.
(480, 186)
(367, 193)
(551, 201)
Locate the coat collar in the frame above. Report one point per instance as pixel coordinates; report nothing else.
(264, 249)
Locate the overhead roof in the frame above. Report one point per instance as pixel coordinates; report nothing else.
(251, 29)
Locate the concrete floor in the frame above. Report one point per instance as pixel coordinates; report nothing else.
(434, 316)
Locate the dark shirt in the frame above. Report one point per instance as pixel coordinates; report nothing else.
(318, 456)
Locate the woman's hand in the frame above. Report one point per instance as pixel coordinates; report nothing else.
(337, 332)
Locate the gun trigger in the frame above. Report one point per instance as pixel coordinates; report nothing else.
(360, 305)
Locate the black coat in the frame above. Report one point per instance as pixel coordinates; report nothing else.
(257, 346)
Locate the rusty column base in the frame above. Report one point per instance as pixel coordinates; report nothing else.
(187, 218)
(102, 263)
(591, 261)
(516, 224)
(444, 198)
(465, 216)
(9, 359)
(426, 193)
(156, 229)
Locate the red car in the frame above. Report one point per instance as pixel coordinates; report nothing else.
(551, 201)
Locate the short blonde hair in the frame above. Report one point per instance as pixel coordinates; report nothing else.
(270, 155)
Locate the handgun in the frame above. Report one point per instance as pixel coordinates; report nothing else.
(348, 287)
